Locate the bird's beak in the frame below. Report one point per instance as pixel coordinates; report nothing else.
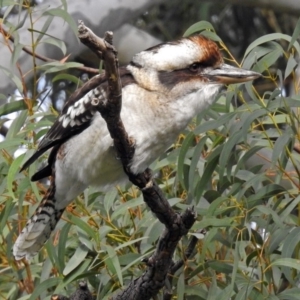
(226, 74)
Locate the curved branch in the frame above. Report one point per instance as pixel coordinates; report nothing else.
(176, 225)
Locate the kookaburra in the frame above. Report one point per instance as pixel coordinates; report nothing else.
(163, 88)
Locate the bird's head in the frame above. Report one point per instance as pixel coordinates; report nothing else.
(189, 65)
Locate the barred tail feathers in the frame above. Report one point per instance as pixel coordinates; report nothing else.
(38, 228)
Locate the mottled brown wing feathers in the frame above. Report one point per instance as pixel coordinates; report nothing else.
(76, 115)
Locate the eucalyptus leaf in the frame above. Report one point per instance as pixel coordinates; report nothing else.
(77, 258)
(11, 107)
(295, 35)
(197, 27)
(291, 65)
(271, 37)
(58, 12)
(49, 283)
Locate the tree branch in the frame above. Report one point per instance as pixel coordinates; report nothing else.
(189, 252)
(6, 35)
(176, 225)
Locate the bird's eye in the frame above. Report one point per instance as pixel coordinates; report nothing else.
(195, 67)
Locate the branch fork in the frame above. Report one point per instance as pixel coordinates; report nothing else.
(160, 264)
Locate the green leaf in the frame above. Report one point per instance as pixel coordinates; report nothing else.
(255, 54)
(243, 160)
(215, 222)
(68, 77)
(15, 55)
(290, 294)
(289, 249)
(213, 289)
(115, 263)
(16, 125)
(207, 176)
(44, 29)
(249, 120)
(268, 60)
(5, 213)
(79, 272)
(250, 91)
(214, 124)
(14, 78)
(228, 150)
(63, 237)
(211, 35)
(271, 37)
(199, 269)
(217, 203)
(11, 107)
(46, 270)
(40, 288)
(289, 208)
(51, 252)
(7, 2)
(244, 292)
(180, 287)
(188, 141)
(125, 206)
(10, 6)
(13, 170)
(252, 255)
(56, 42)
(295, 35)
(58, 66)
(109, 200)
(287, 262)
(227, 292)
(65, 4)
(123, 245)
(277, 238)
(280, 145)
(291, 65)
(137, 261)
(77, 258)
(11, 143)
(58, 12)
(22, 22)
(198, 27)
(195, 161)
(83, 226)
(285, 102)
(264, 194)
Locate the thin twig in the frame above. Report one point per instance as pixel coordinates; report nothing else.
(188, 254)
(6, 35)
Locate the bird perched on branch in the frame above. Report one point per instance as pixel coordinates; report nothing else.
(163, 88)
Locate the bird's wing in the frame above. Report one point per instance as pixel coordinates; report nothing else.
(76, 116)
(74, 120)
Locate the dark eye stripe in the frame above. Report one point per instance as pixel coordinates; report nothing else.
(170, 79)
(196, 66)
